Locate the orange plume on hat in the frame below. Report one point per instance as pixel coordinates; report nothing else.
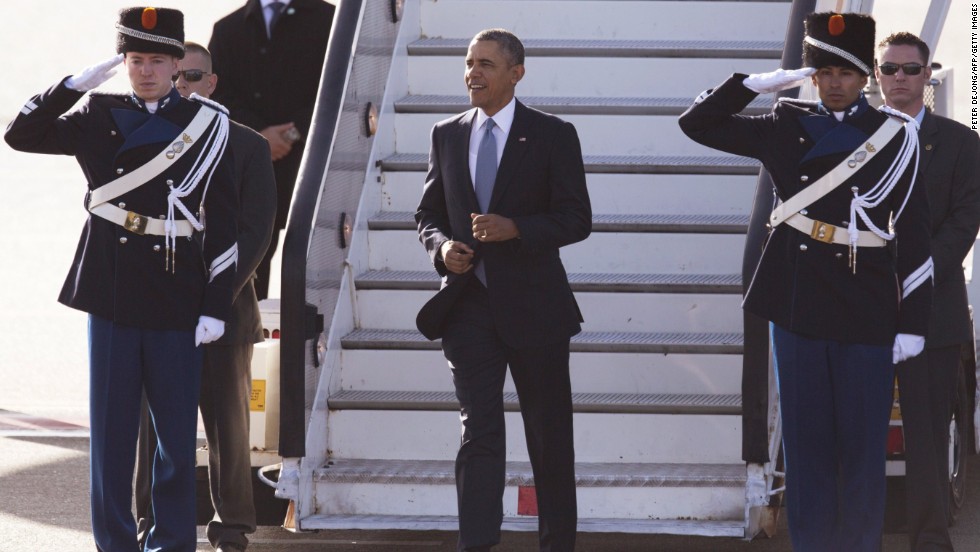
(149, 18)
(835, 25)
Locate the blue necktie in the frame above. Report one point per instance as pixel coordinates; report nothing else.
(486, 174)
(276, 8)
(486, 167)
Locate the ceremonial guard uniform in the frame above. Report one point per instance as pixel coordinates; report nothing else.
(147, 270)
(835, 284)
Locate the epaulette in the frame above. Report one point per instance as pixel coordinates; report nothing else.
(208, 102)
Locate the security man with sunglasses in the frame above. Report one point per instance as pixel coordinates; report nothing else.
(927, 383)
(845, 276)
(152, 270)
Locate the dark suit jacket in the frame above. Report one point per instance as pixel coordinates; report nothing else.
(540, 186)
(950, 171)
(252, 167)
(267, 81)
(805, 285)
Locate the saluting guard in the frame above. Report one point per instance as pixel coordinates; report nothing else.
(846, 275)
(154, 265)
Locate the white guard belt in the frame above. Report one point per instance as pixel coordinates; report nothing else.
(789, 210)
(828, 233)
(137, 223)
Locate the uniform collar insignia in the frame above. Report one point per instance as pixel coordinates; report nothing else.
(164, 104)
(853, 111)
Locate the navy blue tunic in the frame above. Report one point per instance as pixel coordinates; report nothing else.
(117, 274)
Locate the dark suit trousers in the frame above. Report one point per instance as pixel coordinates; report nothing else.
(479, 359)
(926, 384)
(226, 383)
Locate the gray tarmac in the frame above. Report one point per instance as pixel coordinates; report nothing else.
(44, 506)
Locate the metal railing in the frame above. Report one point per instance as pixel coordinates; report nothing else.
(300, 321)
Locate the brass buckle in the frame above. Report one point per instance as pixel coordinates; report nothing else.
(135, 223)
(823, 232)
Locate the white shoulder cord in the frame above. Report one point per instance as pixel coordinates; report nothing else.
(207, 158)
(873, 197)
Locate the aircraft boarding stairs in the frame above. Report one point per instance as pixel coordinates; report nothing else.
(656, 370)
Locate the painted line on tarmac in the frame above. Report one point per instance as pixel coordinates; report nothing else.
(339, 542)
(50, 433)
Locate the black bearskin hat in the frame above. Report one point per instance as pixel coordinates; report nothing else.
(151, 31)
(845, 40)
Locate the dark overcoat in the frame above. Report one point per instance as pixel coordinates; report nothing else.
(269, 81)
(950, 172)
(256, 181)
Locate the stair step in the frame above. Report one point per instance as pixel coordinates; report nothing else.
(614, 77)
(581, 282)
(635, 164)
(688, 194)
(688, 224)
(400, 370)
(558, 105)
(693, 527)
(537, 47)
(604, 252)
(585, 342)
(613, 403)
(587, 474)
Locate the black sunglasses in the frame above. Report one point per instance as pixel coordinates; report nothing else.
(190, 75)
(910, 69)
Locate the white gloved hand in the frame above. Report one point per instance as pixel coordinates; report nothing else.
(907, 346)
(93, 76)
(208, 330)
(780, 79)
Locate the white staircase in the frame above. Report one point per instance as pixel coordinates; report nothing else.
(656, 370)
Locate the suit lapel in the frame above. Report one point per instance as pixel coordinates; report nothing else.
(514, 151)
(255, 17)
(928, 141)
(459, 141)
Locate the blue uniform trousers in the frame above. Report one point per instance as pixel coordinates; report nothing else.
(835, 399)
(125, 361)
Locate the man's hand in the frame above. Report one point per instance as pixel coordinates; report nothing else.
(457, 256)
(780, 79)
(208, 330)
(492, 228)
(277, 143)
(907, 346)
(93, 76)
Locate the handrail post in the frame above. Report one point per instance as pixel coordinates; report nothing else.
(755, 355)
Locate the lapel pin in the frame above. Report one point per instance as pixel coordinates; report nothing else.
(928, 147)
(522, 139)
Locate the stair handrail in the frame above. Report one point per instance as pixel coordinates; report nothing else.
(757, 400)
(298, 321)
